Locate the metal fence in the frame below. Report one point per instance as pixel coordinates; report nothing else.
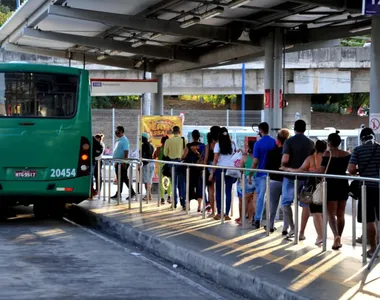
(136, 165)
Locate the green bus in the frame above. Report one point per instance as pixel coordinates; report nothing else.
(45, 137)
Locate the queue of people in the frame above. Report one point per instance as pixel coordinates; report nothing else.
(296, 154)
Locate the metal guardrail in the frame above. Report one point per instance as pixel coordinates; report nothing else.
(296, 175)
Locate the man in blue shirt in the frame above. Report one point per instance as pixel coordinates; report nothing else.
(260, 155)
(121, 152)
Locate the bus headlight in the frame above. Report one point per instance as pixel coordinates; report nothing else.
(83, 167)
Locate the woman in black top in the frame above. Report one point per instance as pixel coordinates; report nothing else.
(274, 163)
(336, 162)
(212, 139)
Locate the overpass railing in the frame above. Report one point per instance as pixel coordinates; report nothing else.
(136, 164)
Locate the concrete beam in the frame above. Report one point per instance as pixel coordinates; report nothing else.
(226, 53)
(89, 58)
(106, 44)
(207, 32)
(350, 5)
(304, 36)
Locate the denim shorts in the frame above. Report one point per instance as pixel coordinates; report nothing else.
(249, 188)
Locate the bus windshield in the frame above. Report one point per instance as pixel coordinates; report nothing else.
(38, 95)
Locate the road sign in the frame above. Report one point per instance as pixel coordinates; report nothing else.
(374, 123)
(371, 7)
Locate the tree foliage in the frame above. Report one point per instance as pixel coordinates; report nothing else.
(5, 14)
(216, 100)
(358, 41)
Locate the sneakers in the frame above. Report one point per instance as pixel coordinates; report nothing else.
(256, 224)
(162, 201)
(132, 198)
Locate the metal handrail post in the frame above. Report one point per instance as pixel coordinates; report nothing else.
(98, 163)
(187, 189)
(204, 193)
(103, 185)
(109, 181)
(159, 187)
(243, 204)
(324, 215)
(296, 211)
(364, 222)
(141, 189)
(174, 188)
(130, 186)
(222, 198)
(267, 204)
(142, 183)
(353, 203)
(119, 183)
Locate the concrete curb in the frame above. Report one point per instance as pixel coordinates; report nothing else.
(241, 283)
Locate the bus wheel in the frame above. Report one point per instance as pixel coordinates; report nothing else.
(57, 210)
(40, 210)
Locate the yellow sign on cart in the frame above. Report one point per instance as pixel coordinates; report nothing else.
(157, 127)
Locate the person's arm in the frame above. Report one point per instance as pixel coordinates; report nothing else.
(126, 152)
(255, 161)
(304, 168)
(206, 154)
(353, 164)
(166, 149)
(155, 153)
(285, 154)
(216, 159)
(185, 152)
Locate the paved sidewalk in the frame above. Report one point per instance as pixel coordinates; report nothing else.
(245, 261)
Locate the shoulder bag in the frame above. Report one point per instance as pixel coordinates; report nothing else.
(318, 193)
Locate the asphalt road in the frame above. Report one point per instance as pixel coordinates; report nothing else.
(59, 260)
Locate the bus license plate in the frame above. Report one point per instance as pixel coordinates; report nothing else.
(25, 174)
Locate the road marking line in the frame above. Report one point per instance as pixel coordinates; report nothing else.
(159, 266)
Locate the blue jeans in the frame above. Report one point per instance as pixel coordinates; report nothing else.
(229, 182)
(180, 183)
(260, 188)
(288, 192)
(275, 194)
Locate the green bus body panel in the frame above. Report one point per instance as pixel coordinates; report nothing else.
(50, 144)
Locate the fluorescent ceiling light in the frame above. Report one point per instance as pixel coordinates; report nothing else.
(102, 57)
(212, 13)
(190, 22)
(138, 44)
(155, 36)
(236, 3)
(358, 29)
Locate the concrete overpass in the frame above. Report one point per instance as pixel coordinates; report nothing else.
(318, 71)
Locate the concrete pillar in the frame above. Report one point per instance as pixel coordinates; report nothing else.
(158, 98)
(375, 70)
(268, 79)
(277, 80)
(146, 99)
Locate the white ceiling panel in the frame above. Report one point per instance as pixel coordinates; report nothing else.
(72, 26)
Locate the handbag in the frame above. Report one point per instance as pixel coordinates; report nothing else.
(306, 195)
(235, 162)
(318, 193)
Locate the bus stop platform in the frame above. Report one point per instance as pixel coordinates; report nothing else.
(244, 261)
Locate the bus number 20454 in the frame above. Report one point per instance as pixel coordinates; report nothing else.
(59, 173)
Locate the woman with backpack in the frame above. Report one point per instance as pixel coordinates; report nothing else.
(147, 151)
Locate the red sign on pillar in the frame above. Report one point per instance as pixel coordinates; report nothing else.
(281, 102)
(267, 101)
